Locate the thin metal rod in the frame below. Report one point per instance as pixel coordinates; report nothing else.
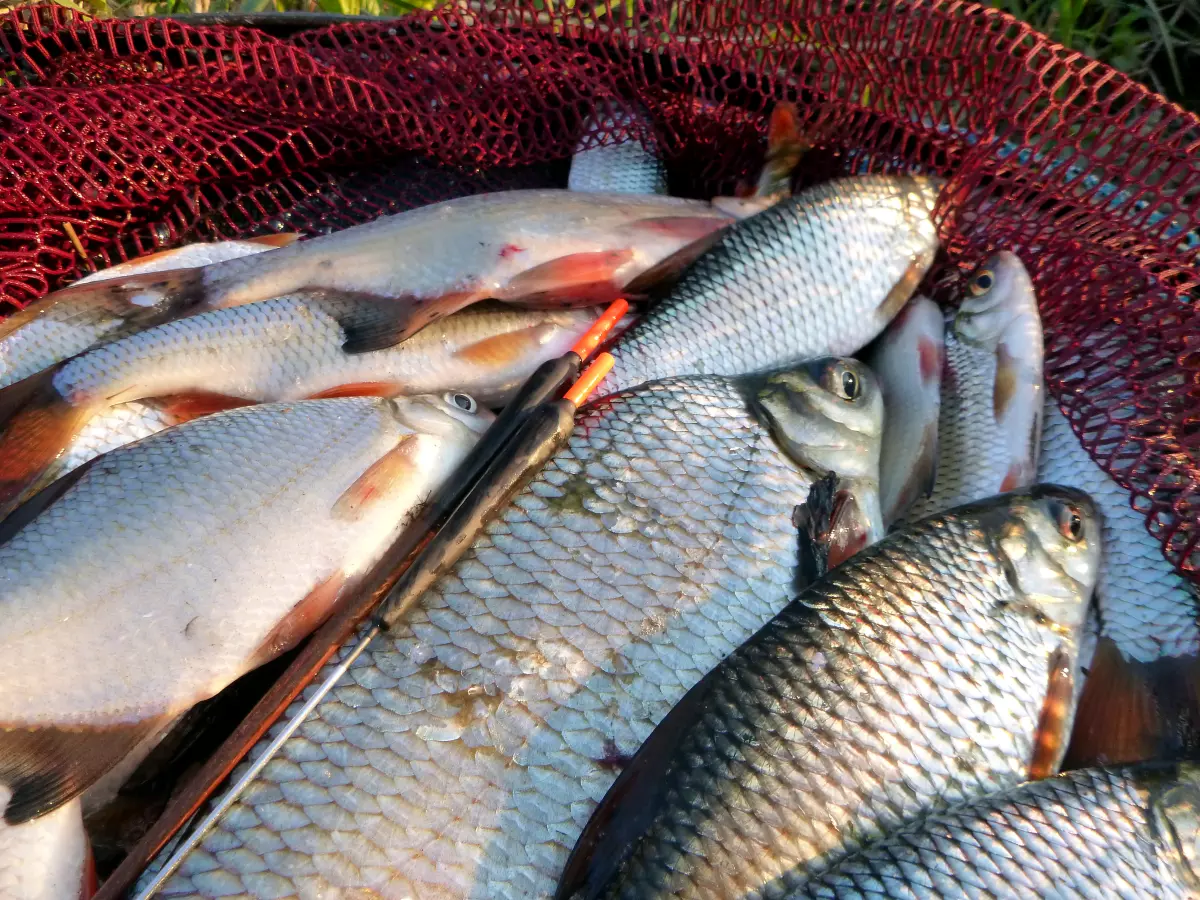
(257, 766)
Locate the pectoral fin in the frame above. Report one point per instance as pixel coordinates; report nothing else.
(376, 482)
(578, 279)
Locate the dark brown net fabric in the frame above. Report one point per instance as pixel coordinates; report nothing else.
(145, 133)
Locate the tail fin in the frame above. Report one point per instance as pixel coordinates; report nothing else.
(785, 146)
(1132, 711)
(33, 435)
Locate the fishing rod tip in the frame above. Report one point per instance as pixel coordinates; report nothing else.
(590, 379)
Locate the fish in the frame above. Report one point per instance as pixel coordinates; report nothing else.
(1085, 835)
(163, 570)
(817, 274)
(627, 166)
(993, 391)
(48, 858)
(535, 248)
(929, 669)
(46, 332)
(464, 750)
(908, 359)
(288, 348)
(1141, 699)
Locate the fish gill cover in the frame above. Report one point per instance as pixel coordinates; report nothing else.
(124, 136)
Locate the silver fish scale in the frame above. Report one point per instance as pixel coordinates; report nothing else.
(895, 687)
(464, 752)
(1145, 607)
(803, 279)
(1086, 835)
(973, 458)
(624, 168)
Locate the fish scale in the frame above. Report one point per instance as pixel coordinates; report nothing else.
(811, 276)
(912, 678)
(972, 452)
(1147, 609)
(1085, 835)
(464, 751)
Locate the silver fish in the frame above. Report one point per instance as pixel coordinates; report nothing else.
(1144, 606)
(1087, 835)
(928, 670)
(288, 348)
(625, 166)
(908, 359)
(46, 331)
(989, 426)
(174, 565)
(464, 751)
(532, 247)
(46, 859)
(818, 274)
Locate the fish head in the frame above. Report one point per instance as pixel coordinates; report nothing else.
(1175, 812)
(827, 416)
(999, 297)
(1048, 540)
(452, 414)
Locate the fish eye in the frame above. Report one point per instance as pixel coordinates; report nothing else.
(844, 383)
(982, 282)
(463, 401)
(1069, 520)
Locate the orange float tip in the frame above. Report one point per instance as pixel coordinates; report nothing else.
(591, 377)
(587, 344)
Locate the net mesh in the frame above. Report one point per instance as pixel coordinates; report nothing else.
(140, 134)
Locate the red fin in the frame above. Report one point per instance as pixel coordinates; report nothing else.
(504, 349)
(358, 389)
(305, 617)
(1050, 739)
(1131, 711)
(1015, 478)
(567, 275)
(373, 484)
(34, 437)
(283, 239)
(90, 882)
(47, 767)
(1005, 386)
(184, 407)
(930, 359)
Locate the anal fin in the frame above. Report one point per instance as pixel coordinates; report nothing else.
(184, 407)
(505, 349)
(48, 766)
(304, 618)
(358, 389)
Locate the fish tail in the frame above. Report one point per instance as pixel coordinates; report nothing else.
(785, 146)
(33, 435)
(139, 300)
(1131, 711)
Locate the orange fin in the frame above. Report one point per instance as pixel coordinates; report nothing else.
(569, 280)
(47, 767)
(303, 619)
(1050, 739)
(90, 881)
(1005, 386)
(184, 407)
(359, 389)
(283, 239)
(1016, 477)
(504, 349)
(785, 146)
(1132, 711)
(373, 485)
(34, 437)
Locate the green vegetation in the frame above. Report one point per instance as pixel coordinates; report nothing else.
(1155, 41)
